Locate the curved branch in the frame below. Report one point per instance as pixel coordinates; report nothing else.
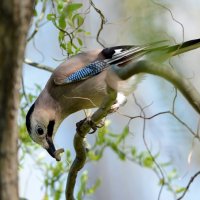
(37, 23)
(103, 21)
(188, 185)
(83, 127)
(38, 65)
(158, 69)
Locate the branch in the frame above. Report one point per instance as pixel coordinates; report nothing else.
(37, 65)
(185, 87)
(37, 23)
(83, 127)
(124, 73)
(188, 185)
(103, 21)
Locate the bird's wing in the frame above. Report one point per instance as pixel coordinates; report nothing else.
(73, 65)
(89, 64)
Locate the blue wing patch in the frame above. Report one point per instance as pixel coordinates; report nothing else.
(89, 70)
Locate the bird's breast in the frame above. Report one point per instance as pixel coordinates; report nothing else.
(85, 94)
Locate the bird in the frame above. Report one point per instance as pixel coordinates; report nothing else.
(81, 82)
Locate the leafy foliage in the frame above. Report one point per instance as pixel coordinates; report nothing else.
(67, 18)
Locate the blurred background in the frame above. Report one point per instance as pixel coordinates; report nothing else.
(129, 22)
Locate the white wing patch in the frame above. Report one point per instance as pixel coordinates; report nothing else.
(117, 51)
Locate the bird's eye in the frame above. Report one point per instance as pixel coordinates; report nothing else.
(40, 131)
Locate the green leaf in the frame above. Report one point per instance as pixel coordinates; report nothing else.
(115, 148)
(63, 46)
(35, 13)
(51, 17)
(74, 6)
(172, 175)
(77, 20)
(45, 197)
(69, 48)
(83, 181)
(148, 162)
(87, 33)
(93, 188)
(123, 135)
(58, 192)
(93, 156)
(181, 189)
(101, 135)
(60, 5)
(58, 169)
(68, 156)
(134, 152)
(61, 36)
(62, 22)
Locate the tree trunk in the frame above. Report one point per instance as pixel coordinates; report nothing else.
(15, 16)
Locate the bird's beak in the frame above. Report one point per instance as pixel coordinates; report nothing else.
(51, 148)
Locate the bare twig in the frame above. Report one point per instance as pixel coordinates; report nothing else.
(37, 23)
(188, 185)
(38, 65)
(174, 100)
(161, 173)
(163, 113)
(103, 21)
(172, 16)
(185, 87)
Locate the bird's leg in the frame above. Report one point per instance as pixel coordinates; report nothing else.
(120, 101)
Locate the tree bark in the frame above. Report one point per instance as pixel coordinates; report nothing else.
(15, 16)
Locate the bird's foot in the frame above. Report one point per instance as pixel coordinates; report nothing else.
(95, 126)
(91, 123)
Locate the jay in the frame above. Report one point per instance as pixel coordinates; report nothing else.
(81, 83)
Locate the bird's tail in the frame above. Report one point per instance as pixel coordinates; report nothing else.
(184, 47)
(157, 51)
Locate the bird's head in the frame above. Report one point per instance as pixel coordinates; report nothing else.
(41, 126)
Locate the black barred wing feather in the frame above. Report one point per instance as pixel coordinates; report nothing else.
(89, 70)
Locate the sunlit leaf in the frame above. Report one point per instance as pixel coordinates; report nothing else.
(93, 189)
(51, 17)
(123, 135)
(62, 22)
(77, 20)
(180, 190)
(72, 7)
(148, 162)
(93, 156)
(172, 175)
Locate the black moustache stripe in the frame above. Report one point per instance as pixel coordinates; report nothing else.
(50, 128)
(28, 118)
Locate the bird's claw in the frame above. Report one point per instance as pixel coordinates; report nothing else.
(92, 124)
